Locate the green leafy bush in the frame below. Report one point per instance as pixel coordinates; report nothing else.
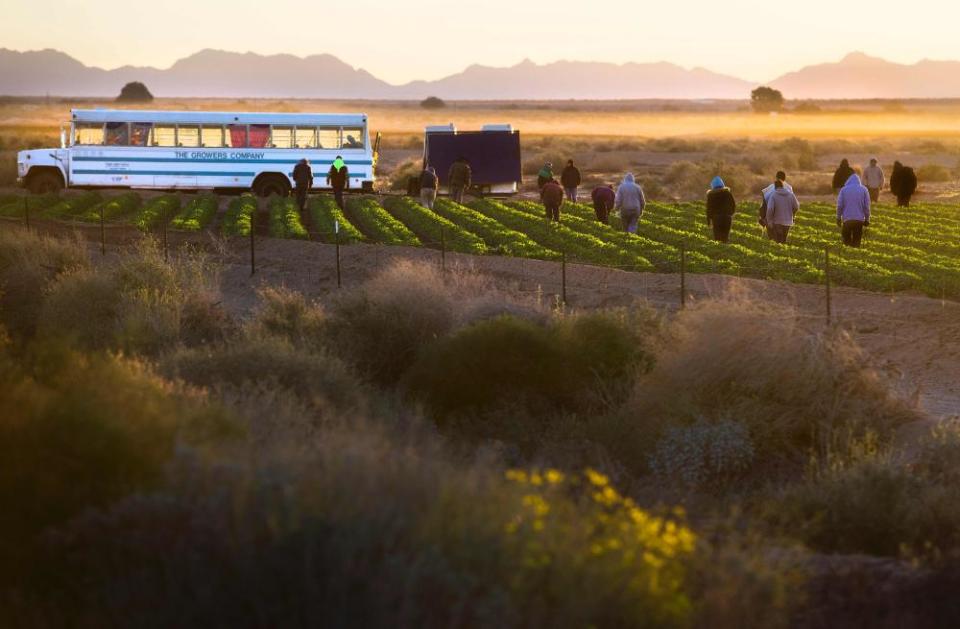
(327, 216)
(156, 212)
(285, 219)
(238, 220)
(119, 206)
(197, 214)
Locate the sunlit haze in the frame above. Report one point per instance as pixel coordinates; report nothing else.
(398, 42)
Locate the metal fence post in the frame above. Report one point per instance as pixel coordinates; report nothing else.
(683, 276)
(826, 277)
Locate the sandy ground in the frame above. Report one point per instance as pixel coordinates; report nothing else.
(912, 337)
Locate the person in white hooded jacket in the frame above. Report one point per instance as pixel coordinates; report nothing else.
(781, 208)
(630, 202)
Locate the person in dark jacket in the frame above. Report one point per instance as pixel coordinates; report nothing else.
(721, 206)
(459, 178)
(303, 179)
(903, 183)
(338, 178)
(545, 175)
(552, 196)
(570, 180)
(841, 175)
(603, 198)
(428, 187)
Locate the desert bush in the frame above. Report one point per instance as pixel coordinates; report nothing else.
(382, 326)
(286, 314)
(317, 380)
(142, 305)
(796, 390)
(703, 453)
(933, 173)
(29, 262)
(78, 432)
(368, 532)
(410, 167)
(573, 364)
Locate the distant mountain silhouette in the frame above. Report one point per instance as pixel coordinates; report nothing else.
(861, 76)
(210, 73)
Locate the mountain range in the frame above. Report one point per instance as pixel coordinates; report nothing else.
(219, 73)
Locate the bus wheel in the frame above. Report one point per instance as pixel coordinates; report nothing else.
(45, 181)
(269, 185)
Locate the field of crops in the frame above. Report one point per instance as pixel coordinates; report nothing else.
(916, 248)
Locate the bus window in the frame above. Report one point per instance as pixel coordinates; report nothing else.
(164, 135)
(188, 135)
(259, 135)
(117, 134)
(211, 136)
(281, 137)
(236, 135)
(305, 138)
(140, 133)
(329, 137)
(88, 133)
(352, 138)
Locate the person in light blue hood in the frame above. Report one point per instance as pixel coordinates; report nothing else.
(853, 211)
(630, 202)
(721, 206)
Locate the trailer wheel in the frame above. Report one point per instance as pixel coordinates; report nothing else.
(44, 181)
(269, 185)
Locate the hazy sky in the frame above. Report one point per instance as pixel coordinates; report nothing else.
(427, 39)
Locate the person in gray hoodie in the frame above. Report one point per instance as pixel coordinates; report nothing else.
(853, 211)
(874, 179)
(781, 208)
(630, 202)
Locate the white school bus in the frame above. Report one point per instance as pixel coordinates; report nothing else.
(197, 150)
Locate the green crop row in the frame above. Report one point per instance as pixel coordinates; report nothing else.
(432, 229)
(112, 209)
(72, 206)
(327, 218)
(238, 220)
(498, 238)
(196, 214)
(156, 212)
(377, 224)
(285, 219)
(16, 205)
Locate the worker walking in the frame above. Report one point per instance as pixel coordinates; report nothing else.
(781, 209)
(338, 178)
(721, 206)
(841, 175)
(570, 180)
(853, 211)
(303, 180)
(873, 179)
(459, 178)
(603, 198)
(552, 196)
(903, 183)
(428, 187)
(766, 193)
(630, 202)
(545, 175)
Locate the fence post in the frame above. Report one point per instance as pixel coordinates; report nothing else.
(336, 237)
(26, 211)
(826, 277)
(683, 275)
(103, 240)
(443, 251)
(563, 277)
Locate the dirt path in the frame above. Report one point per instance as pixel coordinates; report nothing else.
(914, 338)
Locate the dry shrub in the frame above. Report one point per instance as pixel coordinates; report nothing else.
(142, 305)
(29, 262)
(286, 314)
(410, 167)
(797, 390)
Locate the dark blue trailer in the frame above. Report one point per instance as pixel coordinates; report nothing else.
(493, 154)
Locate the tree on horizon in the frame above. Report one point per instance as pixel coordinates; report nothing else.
(135, 92)
(766, 99)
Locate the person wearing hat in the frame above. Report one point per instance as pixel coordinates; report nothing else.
(428, 187)
(545, 175)
(721, 206)
(874, 179)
